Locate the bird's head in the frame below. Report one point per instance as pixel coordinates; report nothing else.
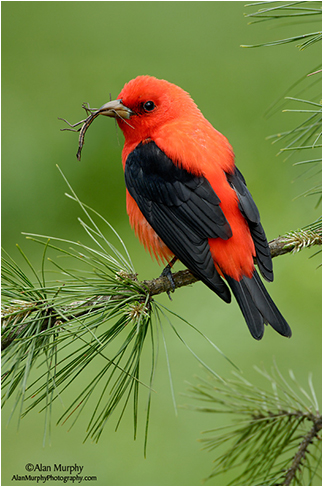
(145, 104)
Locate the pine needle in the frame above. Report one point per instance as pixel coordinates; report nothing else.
(274, 437)
(93, 316)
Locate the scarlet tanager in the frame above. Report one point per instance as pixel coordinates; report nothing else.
(186, 198)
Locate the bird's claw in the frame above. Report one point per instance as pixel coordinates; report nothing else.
(168, 273)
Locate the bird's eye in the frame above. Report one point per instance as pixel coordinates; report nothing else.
(149, 106)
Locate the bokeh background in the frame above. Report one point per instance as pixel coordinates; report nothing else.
(57, 55)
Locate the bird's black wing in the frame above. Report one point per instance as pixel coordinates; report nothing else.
(183, 209)
(255, 303)
(250, 211)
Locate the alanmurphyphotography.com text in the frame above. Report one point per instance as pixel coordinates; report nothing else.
(72, 473)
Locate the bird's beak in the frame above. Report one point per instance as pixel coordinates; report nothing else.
(115, 109)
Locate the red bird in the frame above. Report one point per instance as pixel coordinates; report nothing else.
(186, 198)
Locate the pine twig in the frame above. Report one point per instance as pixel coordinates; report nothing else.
(295, 241)
(302, 450)
(271, 421)
(291, 242)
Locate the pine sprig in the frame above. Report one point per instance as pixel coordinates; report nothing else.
(298, 240)
(95, 311)
(300, 11)
(303, 238)
(304, 140)
(92, 297)
(275, 436)
(48, 327)
(66, 323)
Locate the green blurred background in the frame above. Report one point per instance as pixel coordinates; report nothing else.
(55, 56)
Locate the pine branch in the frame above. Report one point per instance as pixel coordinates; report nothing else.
(270, 421)
(101, 314)
(303, 449)
(303, 141)
(291, 242)
(89, 309)
(301, 11)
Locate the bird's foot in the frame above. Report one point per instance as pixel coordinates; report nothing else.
(167, 272)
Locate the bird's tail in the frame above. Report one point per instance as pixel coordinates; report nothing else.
(257, 306)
